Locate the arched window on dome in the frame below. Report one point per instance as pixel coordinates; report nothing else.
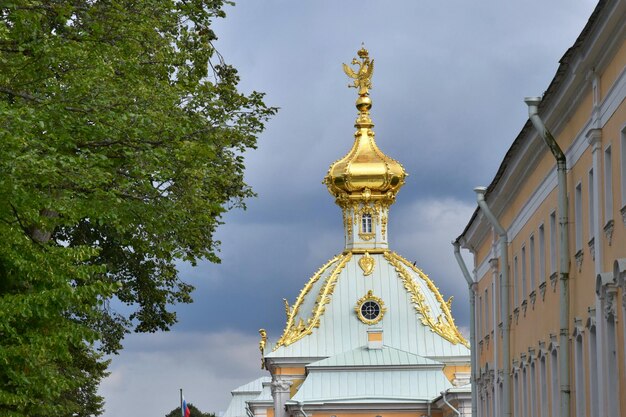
(366, 223)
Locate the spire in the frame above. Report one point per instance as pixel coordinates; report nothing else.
(365, 181)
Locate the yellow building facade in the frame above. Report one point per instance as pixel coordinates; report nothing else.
(549, 279)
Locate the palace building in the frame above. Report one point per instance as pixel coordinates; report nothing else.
(369, 334)
(549, 244)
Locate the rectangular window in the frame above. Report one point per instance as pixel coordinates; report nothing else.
(532, 388)
(593, 373)
(623, 166)
(524, 392)
(487, 328)
(500, 393)
(555, 394)
(543, 393)
(532, 263)
(579, 377)
(480, 317)
(515, 281)
(366, 223)
(552, 242)
(608, 185)
(578, 216)
(496, 300)
(592, 211)
(542, 254)
(524, 288)
(516, 399)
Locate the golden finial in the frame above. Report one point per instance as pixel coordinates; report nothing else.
(365, 174)
(363, 75)
(363, 81)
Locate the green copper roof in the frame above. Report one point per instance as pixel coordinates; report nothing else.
(367, 386)
(385, 357)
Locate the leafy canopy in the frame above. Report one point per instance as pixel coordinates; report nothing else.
(121, 146)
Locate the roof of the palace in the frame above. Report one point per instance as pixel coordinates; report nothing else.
(243, 394)
(397, 386)
(363, 357)
(323, 322)
(366, 375)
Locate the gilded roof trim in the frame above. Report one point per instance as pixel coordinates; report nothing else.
(296, 331)
(443, 325)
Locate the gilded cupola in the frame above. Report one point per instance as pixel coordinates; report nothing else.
(365, 181)
(365, 168)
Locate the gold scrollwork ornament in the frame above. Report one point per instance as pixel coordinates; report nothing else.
(443, 324)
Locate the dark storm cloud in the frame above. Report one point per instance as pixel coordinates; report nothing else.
(449, 83)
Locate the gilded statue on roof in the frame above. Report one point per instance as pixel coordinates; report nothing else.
(363, 75)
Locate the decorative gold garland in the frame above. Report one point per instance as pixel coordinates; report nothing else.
(294, 332)
(444, 324)
(291, 312)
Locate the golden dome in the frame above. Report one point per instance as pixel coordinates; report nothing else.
(365, 171)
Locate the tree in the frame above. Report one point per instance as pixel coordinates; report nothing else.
(121, 146)
(194, 412)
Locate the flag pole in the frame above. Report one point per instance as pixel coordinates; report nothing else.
(182, 412)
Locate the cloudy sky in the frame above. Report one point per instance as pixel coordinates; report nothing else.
(447, 103)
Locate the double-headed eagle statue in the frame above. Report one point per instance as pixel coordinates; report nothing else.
(363, 75)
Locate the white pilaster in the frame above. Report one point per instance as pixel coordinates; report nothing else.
(280, 393)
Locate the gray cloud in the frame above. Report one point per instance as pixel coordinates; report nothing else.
(207, 366)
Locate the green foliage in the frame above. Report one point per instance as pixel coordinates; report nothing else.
(193, 412)
(121, 142)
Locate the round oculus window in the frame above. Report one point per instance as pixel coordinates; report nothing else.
(370, 309)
